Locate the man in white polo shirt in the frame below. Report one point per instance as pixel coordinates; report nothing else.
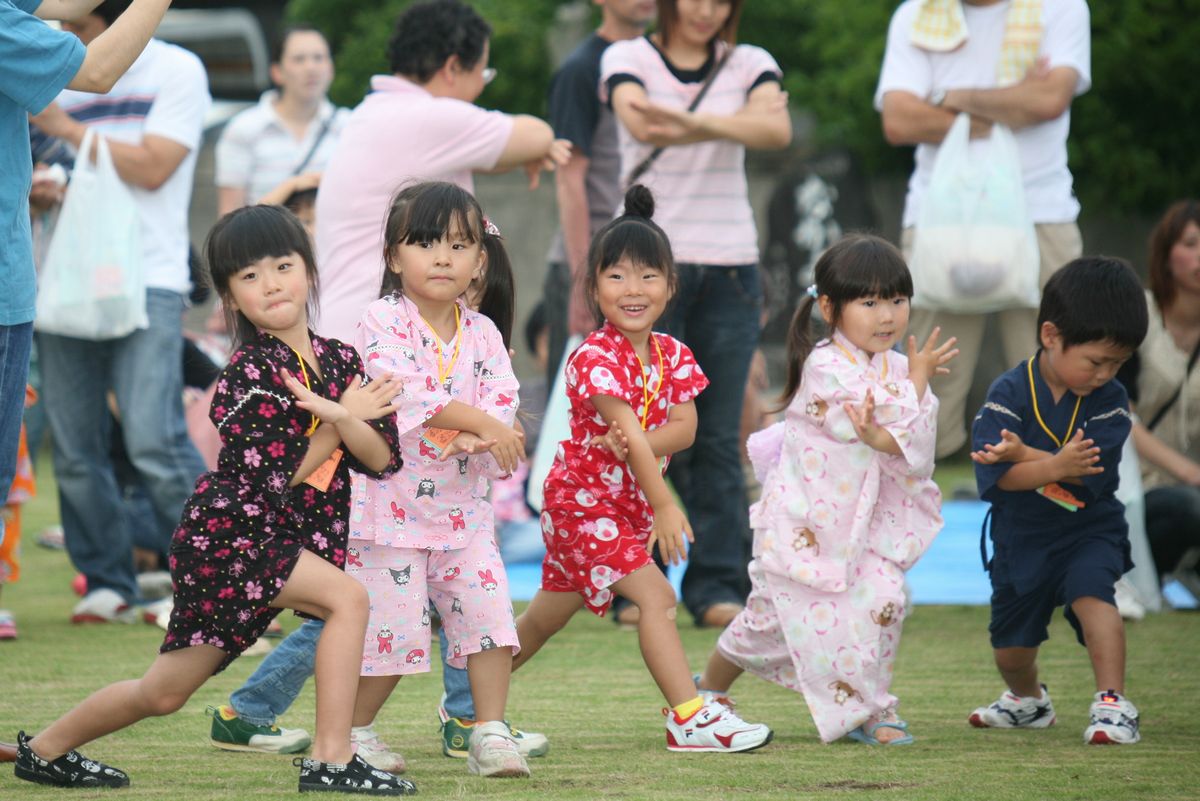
(921, 91)
(153, 119)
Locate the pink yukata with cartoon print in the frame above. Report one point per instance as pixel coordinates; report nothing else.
(596, 519)
(427, 532)
(837, 526)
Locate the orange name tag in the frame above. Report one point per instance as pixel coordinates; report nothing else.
(439, 438)
(1057, 493)
(321, 477)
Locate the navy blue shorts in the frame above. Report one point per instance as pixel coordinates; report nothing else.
(1088, 568)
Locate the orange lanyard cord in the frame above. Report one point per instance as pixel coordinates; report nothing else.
(304, 373)
(648, 396)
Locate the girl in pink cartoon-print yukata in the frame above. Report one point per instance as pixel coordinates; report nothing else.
(848, 504)
(267, 529)
(606, 504)
(426, 533)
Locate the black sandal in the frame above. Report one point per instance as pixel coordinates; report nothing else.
(72, 769)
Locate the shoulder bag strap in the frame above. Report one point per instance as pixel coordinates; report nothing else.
(316, 143)
(1166, 407)
(646, 163)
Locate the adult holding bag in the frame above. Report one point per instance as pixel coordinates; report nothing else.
(151, 122)
(1011, 63)
(690, 101)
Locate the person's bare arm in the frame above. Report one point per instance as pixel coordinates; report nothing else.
(910, 120)
(677, 434)
(529, 140)
(1042, 95)
(111, 53)
(147, 164)
(574, 217)
(762, 124)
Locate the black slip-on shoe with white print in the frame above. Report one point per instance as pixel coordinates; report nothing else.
(355, 776)
(72, 769)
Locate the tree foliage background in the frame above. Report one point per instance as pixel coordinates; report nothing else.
(1131, 145)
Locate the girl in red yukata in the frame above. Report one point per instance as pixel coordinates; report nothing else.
(606, 503)
(294, 417)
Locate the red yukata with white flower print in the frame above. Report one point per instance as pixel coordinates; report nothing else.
(596, 519)
(243, 529)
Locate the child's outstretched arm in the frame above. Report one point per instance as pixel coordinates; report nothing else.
(863, 419)
(677, 434)
(508, 446)
(671, 526)
(343, 421)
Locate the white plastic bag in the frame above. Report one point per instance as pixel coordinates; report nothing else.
(975, 249)
(92, 285)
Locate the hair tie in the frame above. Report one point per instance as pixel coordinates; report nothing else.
(490, 228)
(811, 291)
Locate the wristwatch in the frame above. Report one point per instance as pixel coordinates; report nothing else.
(937, 97)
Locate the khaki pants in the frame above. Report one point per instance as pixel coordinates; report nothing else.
(1058, 244)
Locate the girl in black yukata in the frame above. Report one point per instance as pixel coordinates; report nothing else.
(267, 529)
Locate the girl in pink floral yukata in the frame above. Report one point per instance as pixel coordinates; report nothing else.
(848, 504)
(426, 534)
(606, 503)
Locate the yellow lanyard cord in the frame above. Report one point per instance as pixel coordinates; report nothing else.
(304, 372)
(1038, 414)
(648, 396)
(444, 371)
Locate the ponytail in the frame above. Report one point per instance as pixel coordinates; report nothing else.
(497, 301)
(799, 346)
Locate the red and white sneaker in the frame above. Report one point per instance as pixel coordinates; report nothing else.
(714, 728)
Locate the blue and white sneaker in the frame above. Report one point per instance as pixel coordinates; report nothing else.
(1114, 721)
(1011, 711)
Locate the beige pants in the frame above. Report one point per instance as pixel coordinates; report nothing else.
(1058, 243)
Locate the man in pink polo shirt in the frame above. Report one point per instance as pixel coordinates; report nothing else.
(418, 124)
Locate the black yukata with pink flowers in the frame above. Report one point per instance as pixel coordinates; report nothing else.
(243, 529)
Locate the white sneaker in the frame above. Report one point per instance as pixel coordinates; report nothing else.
(103, 606)
(158, 613)
(1011, 711)
(493, 752)
(714, 728)
(366, 744)
(154, 585)
(1114, 721)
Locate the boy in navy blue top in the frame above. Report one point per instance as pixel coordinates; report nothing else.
(1047, 444)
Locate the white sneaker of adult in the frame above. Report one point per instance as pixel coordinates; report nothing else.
(103, 606)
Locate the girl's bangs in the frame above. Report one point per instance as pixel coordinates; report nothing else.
(435, 215)
(257, 233)
(874, 275)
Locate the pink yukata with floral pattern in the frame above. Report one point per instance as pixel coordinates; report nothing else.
(426, 533)
(836, 528)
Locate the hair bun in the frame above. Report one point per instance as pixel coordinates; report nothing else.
(639, 202)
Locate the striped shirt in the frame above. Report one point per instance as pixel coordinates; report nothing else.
(700, 193)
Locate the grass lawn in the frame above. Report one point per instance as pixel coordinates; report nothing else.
(590, 693)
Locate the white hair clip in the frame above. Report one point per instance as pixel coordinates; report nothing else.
(490, 228)
(812, 291)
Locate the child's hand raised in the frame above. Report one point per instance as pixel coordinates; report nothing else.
(1078, 457)
(373, 400)
(1010, 448)
(326, 410)
(927, 362)
(615, 440)
(671, 529)
(871, 433)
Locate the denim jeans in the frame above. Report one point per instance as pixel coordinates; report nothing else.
(144, 372)
(273, 687)
(716, 312)
(14, 369)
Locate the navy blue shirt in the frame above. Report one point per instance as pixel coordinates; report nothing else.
(1026, 520)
